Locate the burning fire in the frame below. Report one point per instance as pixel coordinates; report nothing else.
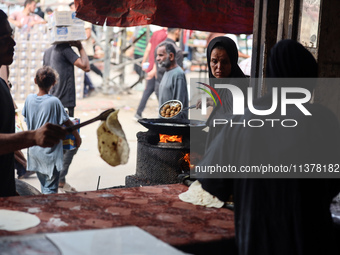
(170, 138)
(187, 159)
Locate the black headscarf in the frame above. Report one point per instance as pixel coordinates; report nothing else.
(289, 59)
(231, 49)
(279, 216)
(236, 77)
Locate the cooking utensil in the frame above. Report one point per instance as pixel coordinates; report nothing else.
(102, 116)
(187, 108)
(172, 126)
(173, 103)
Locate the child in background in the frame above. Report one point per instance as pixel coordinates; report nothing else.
(39, 109)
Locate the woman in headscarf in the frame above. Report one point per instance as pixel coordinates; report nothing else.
(222, 58)
(280, 216)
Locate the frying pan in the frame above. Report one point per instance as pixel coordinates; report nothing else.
(172, 126)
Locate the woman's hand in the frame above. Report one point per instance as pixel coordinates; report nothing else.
(210, 102)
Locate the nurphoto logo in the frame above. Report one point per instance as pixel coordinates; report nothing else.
(239, 104)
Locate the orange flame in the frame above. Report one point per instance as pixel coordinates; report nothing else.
(187, 159)
(170, 138)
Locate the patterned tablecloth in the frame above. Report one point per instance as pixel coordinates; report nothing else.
(156, 209)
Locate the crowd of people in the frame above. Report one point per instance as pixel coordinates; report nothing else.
(272, 216)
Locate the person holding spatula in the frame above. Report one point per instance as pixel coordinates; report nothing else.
(46, 136)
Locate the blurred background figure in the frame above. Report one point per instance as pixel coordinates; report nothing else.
(89, 49)
(72, 6)
(39, 12)
(26, 19)
(48, 12)
(139, 48)
(232, 37)
(245, 66)
(149, 57)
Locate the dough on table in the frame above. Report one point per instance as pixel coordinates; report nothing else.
(198, 196)
(16, 220)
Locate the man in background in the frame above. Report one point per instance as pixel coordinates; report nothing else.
(89, 50)
(149, 55)
(89, 47)
(26, 18)
(173, 84)
(62, 58)
(173, 36)
(157, 71)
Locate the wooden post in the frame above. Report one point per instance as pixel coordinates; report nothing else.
(329, 55)
(266, 16)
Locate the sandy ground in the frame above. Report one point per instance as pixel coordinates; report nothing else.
(87, 166)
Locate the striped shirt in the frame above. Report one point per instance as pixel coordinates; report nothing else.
(140, 45)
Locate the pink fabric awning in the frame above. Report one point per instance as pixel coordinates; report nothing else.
(228, 16)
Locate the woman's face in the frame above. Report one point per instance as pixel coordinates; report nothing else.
(220, 63)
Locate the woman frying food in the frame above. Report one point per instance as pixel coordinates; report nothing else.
(222, 58)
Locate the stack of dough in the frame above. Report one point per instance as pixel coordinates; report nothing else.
(198, 196)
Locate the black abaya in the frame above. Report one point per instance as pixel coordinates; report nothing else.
(236, 77)
(280, 216)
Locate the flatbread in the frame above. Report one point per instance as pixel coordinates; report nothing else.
(16, 220)
(112, 143)
(198, 196)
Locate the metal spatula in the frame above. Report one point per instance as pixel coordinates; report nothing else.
(189, 107)
(102, 116)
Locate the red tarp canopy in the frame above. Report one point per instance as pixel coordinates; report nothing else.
(225, 16)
